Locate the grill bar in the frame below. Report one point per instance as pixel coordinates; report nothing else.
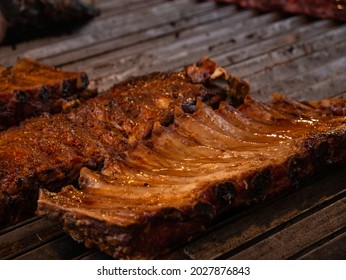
(251, 226)
(333, 218)
(302, 57)
(332, 249)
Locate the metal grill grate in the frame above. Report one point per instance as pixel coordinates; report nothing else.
(302, 57)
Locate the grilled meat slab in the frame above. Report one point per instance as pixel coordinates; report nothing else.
(50, 150)
(26, 19)
(172, 186)
(335, 9)
(30, 88)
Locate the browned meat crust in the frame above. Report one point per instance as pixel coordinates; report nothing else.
(50, 150)
(170, 187)
(335, 9)
(27, 19)
(29, 89)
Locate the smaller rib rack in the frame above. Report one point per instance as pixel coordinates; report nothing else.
(30, 88)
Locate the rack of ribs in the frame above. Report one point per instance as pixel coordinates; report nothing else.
(334, 9)
(51, 149)
(168, 188)
(29, 89)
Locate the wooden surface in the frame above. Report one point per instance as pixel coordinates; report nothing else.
(302, 57)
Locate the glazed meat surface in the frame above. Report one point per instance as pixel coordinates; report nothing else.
(30, 88)
(164, 190)
(335, 9)
(50, 150)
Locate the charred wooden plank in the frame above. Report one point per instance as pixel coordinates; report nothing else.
(63, 248)
(332, 249)
(242, 228)
(277, 246)
(22, 239)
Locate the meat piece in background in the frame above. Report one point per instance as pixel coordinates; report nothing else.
(26, 19)
(334, 9)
